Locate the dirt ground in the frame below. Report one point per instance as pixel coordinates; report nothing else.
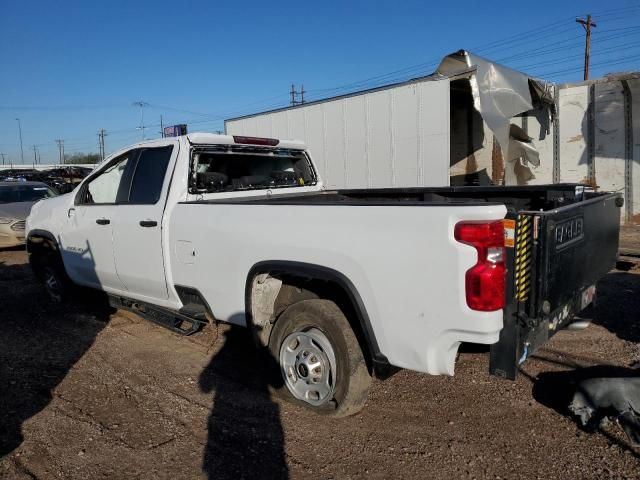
(630, 239)
(91, 393)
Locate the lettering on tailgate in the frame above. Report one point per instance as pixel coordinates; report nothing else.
(569, 232)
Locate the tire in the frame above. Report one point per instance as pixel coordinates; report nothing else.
(320, 363)
(57, 284)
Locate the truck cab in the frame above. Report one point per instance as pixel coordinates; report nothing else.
(110, 230)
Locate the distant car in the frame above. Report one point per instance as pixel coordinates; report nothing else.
(62, 179)
(16, 200)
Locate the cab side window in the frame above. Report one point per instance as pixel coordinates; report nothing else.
(103, 188)
(149, 174)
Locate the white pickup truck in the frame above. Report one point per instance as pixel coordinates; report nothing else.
(336, 285)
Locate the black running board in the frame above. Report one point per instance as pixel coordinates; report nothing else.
(173, 320)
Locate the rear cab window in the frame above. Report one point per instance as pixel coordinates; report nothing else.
(224, 168)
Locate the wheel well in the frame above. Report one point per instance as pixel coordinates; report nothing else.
(40, 244)
(273, 288)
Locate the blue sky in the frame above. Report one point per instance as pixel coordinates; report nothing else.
(70, 68)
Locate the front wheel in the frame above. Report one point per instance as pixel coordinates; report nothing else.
(56, 283)
(320, 360)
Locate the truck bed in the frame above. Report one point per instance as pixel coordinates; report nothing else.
(535, 197)
(563, 239)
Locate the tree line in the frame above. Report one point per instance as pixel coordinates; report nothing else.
(79, 158)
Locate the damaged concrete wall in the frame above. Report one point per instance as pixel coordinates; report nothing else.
(608, 164)
(598, 139)
(634, 209)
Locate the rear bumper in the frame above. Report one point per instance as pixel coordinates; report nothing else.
(445, 349)
(522, 337)
(545, 328)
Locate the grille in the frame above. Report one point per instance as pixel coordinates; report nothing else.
(18, 226)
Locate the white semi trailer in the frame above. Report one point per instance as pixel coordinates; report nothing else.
(451, 128)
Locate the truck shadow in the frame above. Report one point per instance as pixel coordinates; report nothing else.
(39, 344)
(618, 304)
(245, 434)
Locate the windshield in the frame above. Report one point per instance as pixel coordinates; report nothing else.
(228, 170)
(24, 193)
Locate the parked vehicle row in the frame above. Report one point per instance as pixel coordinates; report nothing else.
(62, 179)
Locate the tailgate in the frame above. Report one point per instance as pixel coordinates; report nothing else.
(558, 257)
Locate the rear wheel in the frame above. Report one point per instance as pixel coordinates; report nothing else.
(320, 360)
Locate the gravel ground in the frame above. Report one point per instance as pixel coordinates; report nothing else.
(87, 392)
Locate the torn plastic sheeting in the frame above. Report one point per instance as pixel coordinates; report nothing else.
(500, 93)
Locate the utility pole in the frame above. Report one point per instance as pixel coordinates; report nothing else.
(61, 150)
(141, 104)
(161, 127)
(35, 155)
(586, 24)
(294, 95)
(101, 134)
(2, 154)
(20, 132)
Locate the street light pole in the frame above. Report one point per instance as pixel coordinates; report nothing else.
(20, 132)
(141, 104)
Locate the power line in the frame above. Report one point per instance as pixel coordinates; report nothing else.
(552, 48)
(141, 104)
(577, 56)
(35, 155)
(101, 134)
(614, 61)
(60, 143)
(20, 133)
(521, 36)
(552, 30)
(295, 94)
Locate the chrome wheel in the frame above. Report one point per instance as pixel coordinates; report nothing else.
(308, 365)
(52, 285)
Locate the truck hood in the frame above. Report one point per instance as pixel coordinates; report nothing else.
(43, 210)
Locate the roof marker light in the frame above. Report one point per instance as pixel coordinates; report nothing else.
(271, 142)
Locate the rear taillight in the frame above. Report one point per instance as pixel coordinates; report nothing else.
(485, 281)
(272, 142)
